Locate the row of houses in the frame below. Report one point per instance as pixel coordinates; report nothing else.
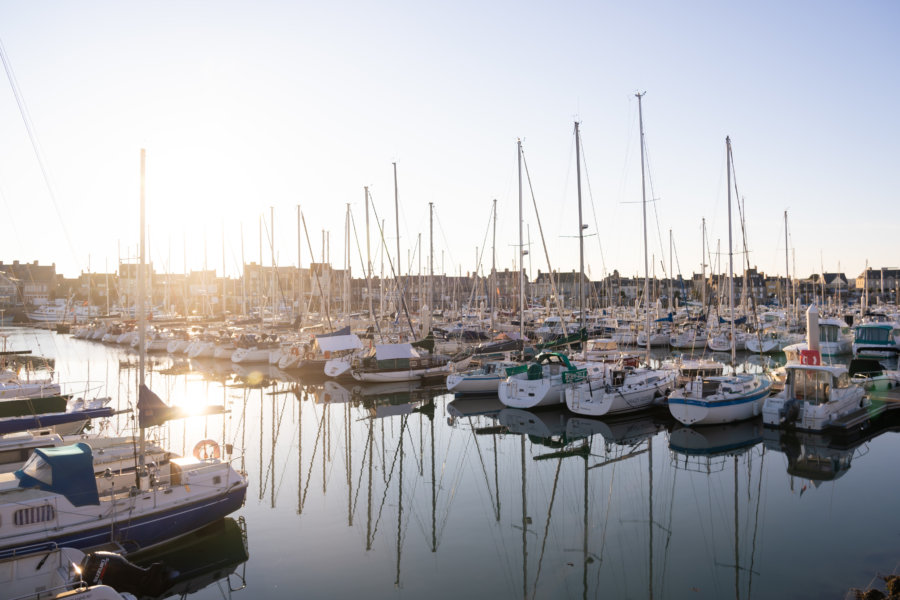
(320, 286)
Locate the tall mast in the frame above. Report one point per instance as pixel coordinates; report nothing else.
(671, 274)
(431, 256)
(580, 226)
(728, 167)
(703, 267)
(640, 95)
(787, 269)
(142, 317)
(368, 259)
(272, 250)
(521, 255)
(397, 221)
(243, 277)
(223, 270)
(299, 267)
(494, 264)
(348, 305)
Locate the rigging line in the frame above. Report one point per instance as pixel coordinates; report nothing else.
(655, 211)
(275, 442)
(480, 257)
(756, 523)
(269, 235)
(543, 241)
(35, 146)
(316, 273)
(487, 482)
(312, 460)
(446, 244)
(284, 464)
(394, 274)
(593, 210)
(546, 528)
(454, 487)
(388, 481)
(362, 465)
(366, 271)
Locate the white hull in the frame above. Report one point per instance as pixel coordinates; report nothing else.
(691, 408)
(595, 399)
(462, 383)
(338, 367)
(250, 355)
(394, 376)
(525, 393)
(224, 351)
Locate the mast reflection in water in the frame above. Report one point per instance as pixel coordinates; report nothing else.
(405, 491)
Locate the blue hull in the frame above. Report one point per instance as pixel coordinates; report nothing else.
(13, 425)
(147, 530)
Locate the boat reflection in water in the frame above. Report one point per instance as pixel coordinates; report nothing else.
(821, 457)
(612, 449)
(473, 406)
(209, 555)
(712, 441)
(706, 452)
(381, 399)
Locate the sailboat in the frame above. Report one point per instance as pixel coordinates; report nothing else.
(723, 398)
(620, 389)
(58, 497)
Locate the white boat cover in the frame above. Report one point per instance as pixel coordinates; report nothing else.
(339, 343)
(394, 351)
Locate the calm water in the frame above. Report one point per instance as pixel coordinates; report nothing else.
(405, 492)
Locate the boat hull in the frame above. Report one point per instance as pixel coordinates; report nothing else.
(142, 531)
(691, 411)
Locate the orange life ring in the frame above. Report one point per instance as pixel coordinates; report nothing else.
(206, 449)
(295, 351)
(310, 356)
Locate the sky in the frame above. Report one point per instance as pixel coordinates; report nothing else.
(251, 109)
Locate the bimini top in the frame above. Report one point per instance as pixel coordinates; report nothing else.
(65, 470)
(394, 351)
(337, 343)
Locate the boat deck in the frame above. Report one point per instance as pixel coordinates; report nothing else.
(882, 402)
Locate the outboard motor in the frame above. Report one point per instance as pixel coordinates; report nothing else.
(109, 568)
(790, 412)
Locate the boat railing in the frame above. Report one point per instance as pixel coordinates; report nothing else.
(57, 591)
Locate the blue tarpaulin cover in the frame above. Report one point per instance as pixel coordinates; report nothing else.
(64, 470)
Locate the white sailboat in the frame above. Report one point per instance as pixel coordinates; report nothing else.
(723, 398)
(624, 389)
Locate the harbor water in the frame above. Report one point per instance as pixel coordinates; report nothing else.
(401, 490)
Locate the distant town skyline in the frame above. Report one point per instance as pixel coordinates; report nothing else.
(248, 108)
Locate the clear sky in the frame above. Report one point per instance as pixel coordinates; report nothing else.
(243, 106)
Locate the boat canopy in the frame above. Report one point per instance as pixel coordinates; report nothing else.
(394, 351)
(335, 343)
(64, 470)
(339, 332)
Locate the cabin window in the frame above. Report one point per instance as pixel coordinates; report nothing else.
(174, 474)
(828, 333)
(38, 468)
(34, 514)
(873, 335)
(17, 456)
(811, 386)
(843, 381)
